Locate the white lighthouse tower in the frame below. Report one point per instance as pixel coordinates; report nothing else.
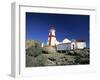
(52, 37)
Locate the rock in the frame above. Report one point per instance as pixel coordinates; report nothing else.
(71, 52)
(52, 59)
(49, 49)
(47, 56)
(50, 63)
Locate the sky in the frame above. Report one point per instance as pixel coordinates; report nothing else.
(69, 26)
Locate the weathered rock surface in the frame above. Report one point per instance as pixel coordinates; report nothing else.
(48, 56)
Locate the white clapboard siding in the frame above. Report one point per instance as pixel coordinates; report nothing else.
(63, 47)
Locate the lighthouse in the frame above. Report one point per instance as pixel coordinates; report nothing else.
(52, 37)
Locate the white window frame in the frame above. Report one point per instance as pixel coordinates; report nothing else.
(18, 68)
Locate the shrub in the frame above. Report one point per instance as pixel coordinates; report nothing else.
(40, 60)
(84, 61)
(29, 61)
(34, 50)
(77, 60)
(45, 52)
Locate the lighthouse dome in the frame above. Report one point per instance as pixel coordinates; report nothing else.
(66, 41)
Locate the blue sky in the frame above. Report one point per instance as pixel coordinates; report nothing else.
(67, 26)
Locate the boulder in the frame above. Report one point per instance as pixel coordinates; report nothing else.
(48, 50)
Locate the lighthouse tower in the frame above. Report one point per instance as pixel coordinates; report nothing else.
(52, 37)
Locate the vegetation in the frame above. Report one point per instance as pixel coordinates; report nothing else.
(34, 50)
(48, 56)
(30, 61)
(40, 60)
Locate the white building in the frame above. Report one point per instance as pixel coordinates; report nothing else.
(66, 41)
(80, 44)
(71, 45)
(66, 44)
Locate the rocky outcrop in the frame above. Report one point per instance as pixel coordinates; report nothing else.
(48, 49)
(48, 56)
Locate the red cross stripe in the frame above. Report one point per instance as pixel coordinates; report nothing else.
(51, 36)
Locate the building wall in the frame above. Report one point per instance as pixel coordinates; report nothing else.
(52, 31)
(73, 45)
(53, 41)
(62, 47)
(81, 45)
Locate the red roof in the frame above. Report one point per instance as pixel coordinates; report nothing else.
(80, 40)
